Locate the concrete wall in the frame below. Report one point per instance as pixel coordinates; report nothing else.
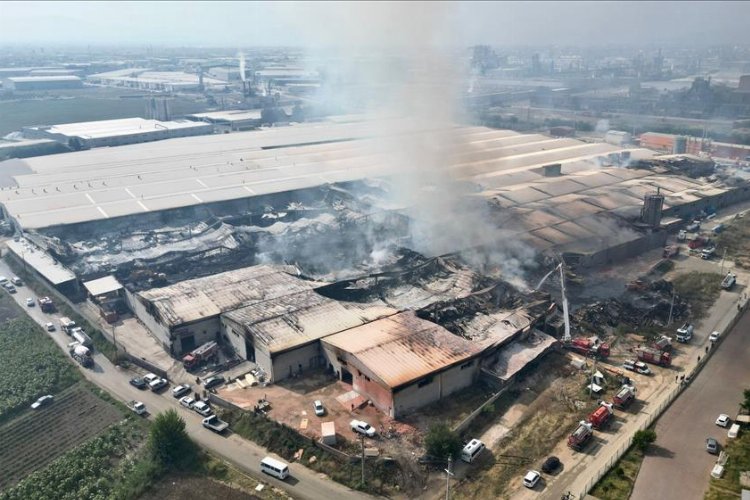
(202, 331)
(288, 363)
(413, 397)
(626, 250)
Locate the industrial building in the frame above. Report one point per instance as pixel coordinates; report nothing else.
(187, 314)
(402, 362)
(552, 194)
(234, 120)
(20, 83)
(156, 81)
(87, 135)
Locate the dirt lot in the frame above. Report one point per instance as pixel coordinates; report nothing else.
(36, 438)
(291, 403)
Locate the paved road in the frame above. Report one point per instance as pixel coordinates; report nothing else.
(680, 454)
(303, 482)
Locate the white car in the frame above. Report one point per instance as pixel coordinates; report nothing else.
(531, 478)
(180, 390)
(150, 377)
(714, 336)
(158, 384)
(319, 409)
(187, 402)
(3, 280)
(30, 302)
(50, 327)
(361, 427)
(723, 420)
(43, 401)
(202, 408)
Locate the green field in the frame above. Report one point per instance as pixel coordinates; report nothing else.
(31, 365)
(80, 106)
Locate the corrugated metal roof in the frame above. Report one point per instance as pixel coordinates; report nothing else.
(103, 285)
(40, 260)
(296, 319)
(403, 348)
(200, 298)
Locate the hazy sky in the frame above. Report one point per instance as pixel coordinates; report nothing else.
(244, 24)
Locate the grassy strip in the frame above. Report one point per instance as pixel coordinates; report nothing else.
(618, 482)
(31, 365)
(381, 476)
(728, 486)
(101, 343)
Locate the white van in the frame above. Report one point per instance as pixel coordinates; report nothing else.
(274, 467)
(472, 450)
(717, 471)
(733, 431)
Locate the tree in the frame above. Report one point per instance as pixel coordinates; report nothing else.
(442, 442)
(642, 439)
(169, 443)
(746, 403)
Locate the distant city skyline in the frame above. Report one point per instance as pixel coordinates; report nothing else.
(390, 24)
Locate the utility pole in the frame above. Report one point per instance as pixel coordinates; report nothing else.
(448, 474)
(362, 440)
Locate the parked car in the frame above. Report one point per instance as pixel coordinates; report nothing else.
(3, 280)
(361, 427)
(187, 402)
(202, 408)
(180, 390)
(150, 377)
(138, 383)
(30, 302)
(10, 288)
(158, 384)
(723, 420)
(551, 464)
(213, 381)
(43, 401)
(319, 409)
(16, 281)
(50, 327)
(531, 478)
(712, 446)
(714, 336)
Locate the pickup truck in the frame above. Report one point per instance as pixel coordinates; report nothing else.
(137, 407)
(215, 424)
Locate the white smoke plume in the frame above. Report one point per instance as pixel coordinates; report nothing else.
(409, 60)
(242, 66)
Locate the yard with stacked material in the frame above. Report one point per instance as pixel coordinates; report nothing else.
(36, 438)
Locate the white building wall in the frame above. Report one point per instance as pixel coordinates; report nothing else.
(413, 397)
(158, 330)
(202, 331)
(234, 333)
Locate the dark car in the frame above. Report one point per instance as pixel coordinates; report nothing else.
(213, 382)
(551, 464)
(138, 382)
(712, 446)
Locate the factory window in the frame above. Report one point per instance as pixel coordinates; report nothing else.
(467, 364)
(341, 361)
(367, 378)
(425, 381)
